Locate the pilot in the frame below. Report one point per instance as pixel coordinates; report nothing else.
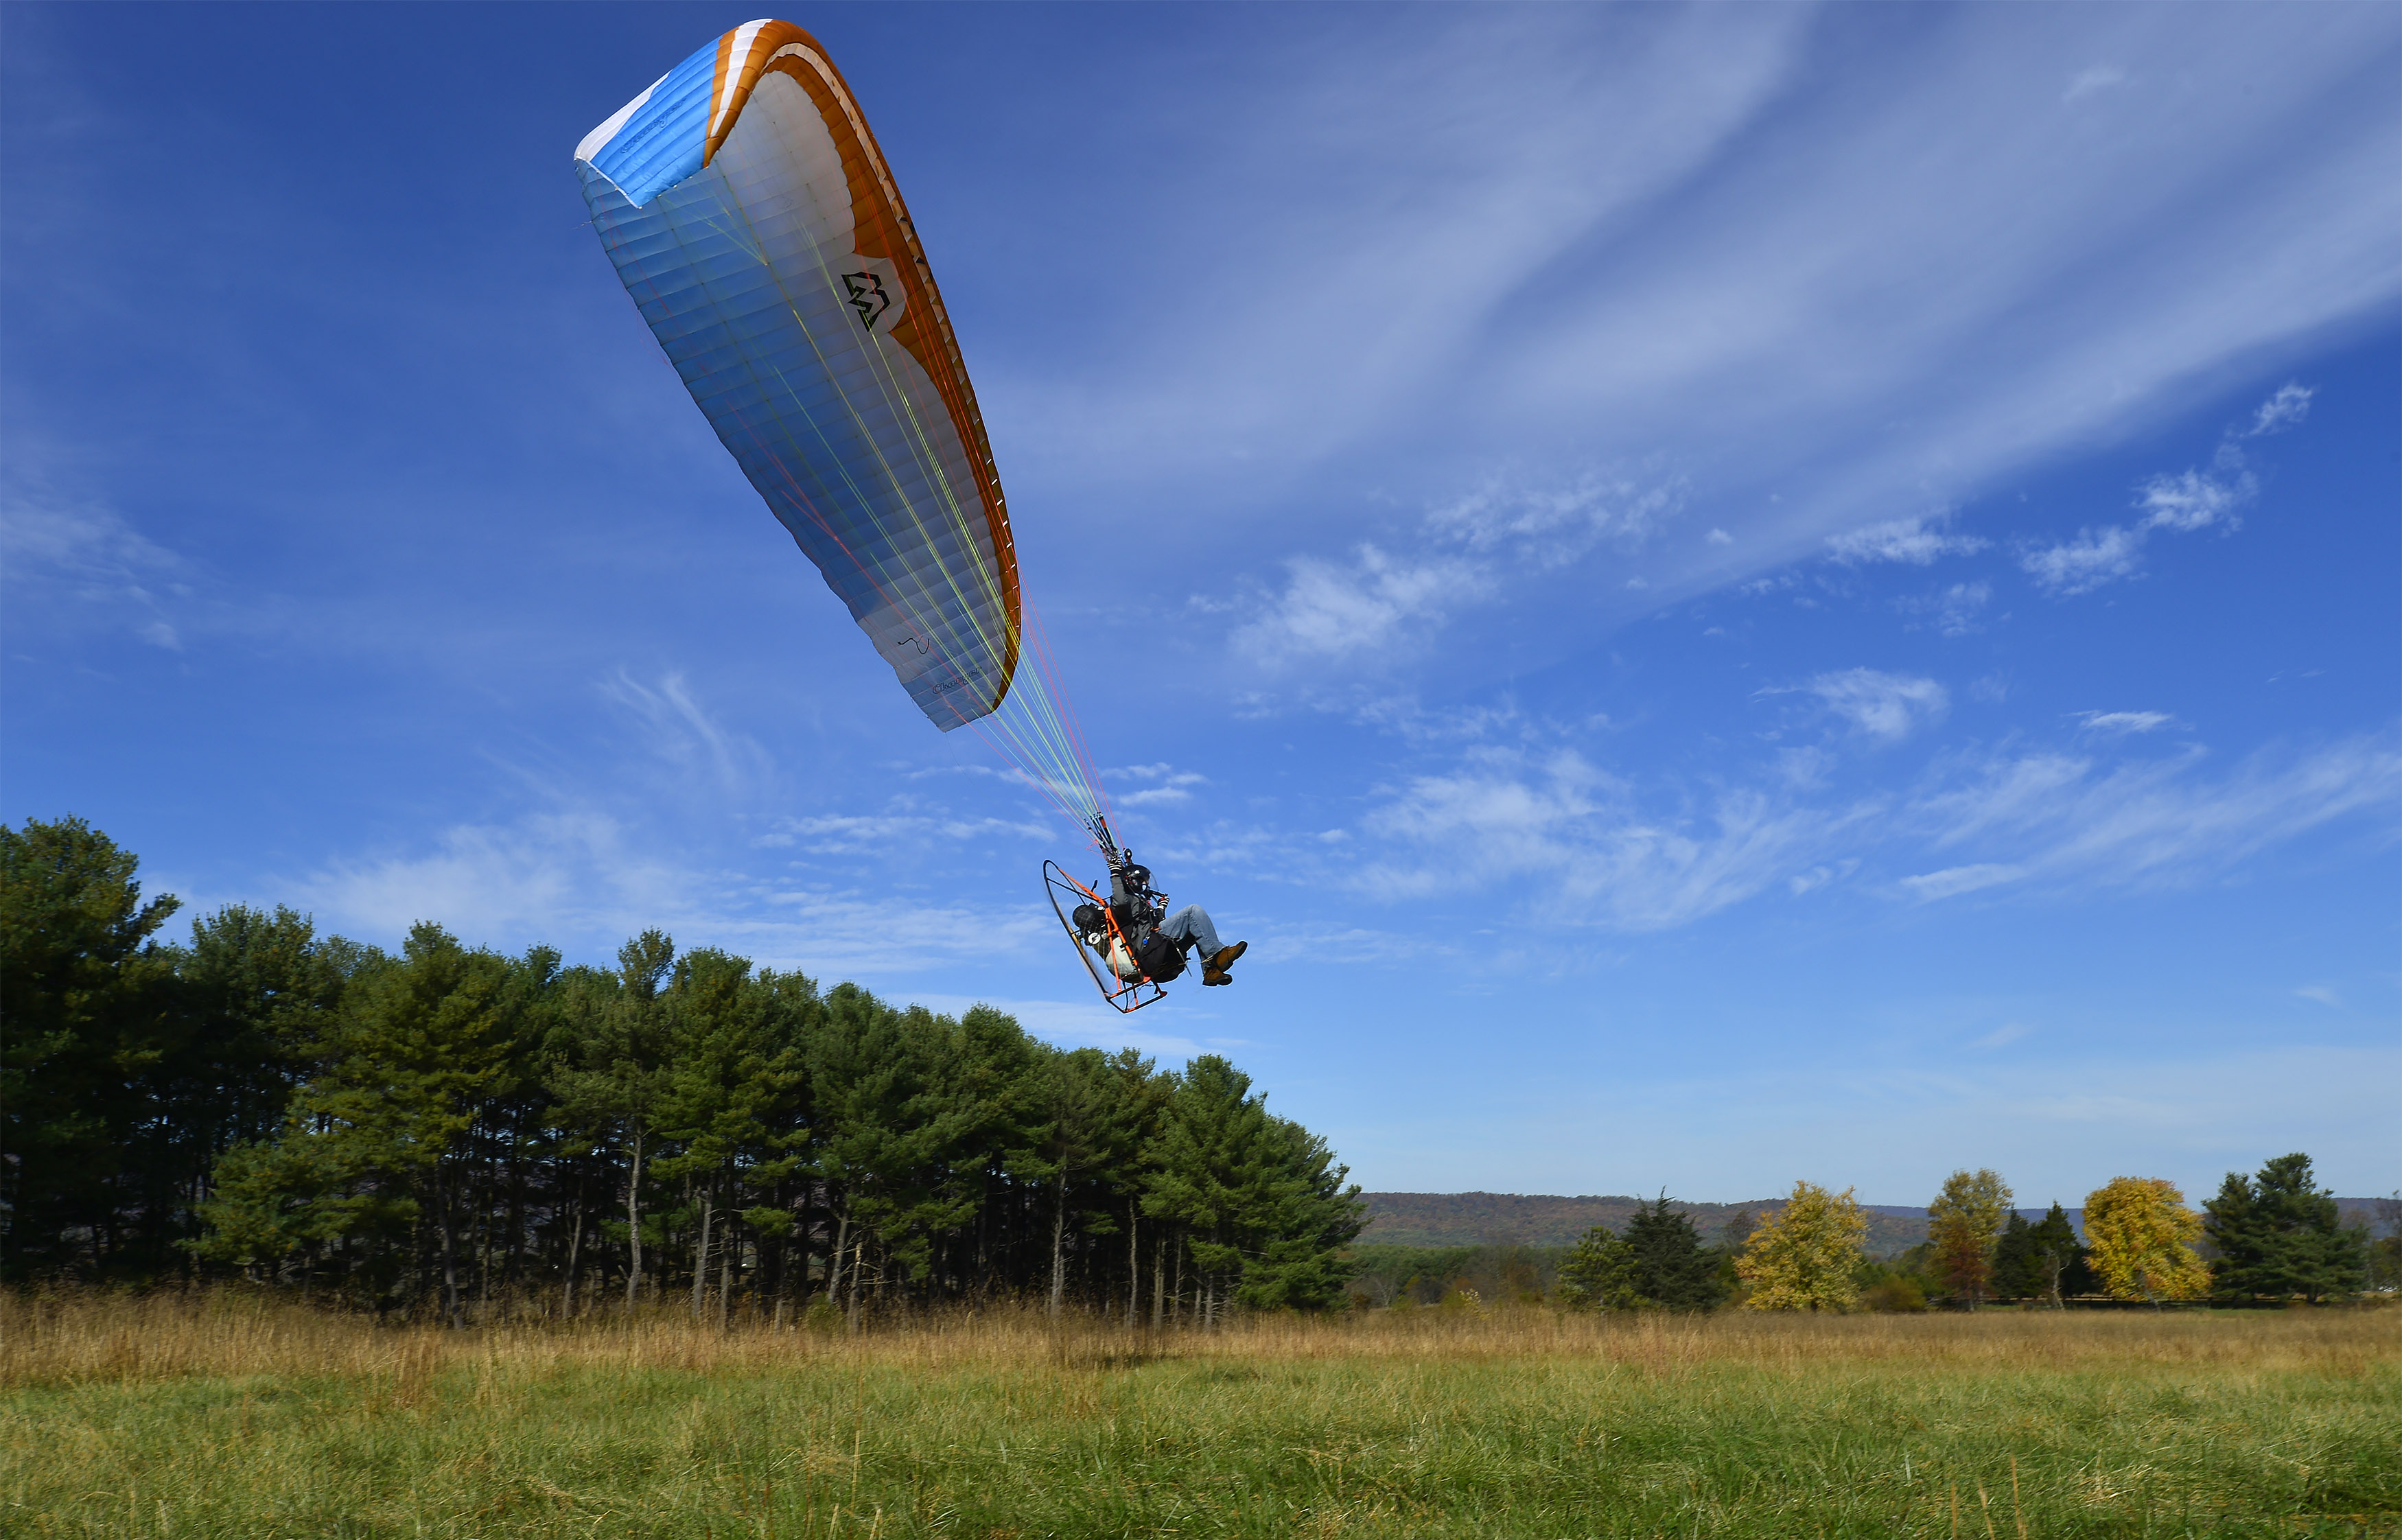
(1155, 941)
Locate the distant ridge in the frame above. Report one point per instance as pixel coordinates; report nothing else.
(1517, 1219)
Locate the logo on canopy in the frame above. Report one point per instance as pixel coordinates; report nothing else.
(867, 296)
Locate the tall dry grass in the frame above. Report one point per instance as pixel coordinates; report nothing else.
(62, 1337)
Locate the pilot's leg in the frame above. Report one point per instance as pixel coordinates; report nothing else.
(1192, 924)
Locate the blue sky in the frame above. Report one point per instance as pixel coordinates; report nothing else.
(1725, 594)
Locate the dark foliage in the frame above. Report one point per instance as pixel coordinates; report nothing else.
(2279, 1235)
(1658, 1262)
(456, 1127)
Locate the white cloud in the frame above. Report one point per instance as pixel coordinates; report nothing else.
(1719, 537)
(849, 834)
(2290, 406)
(2192, 501)
(2322, 993)
(1374, 605)
(2058, 820)
(1903, 539)
(89, 558)
(2079, 566)
(1883, 705)
(1170, 788)
(581, 879)
(1952, 611)
(2189, 500)
(2099, 77)
(1554, 525)
(680, 731)
(1557, 820)
(1583, 849)
(2124, 722)
(1954, 880)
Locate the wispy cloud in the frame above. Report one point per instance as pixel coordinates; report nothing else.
(2193, 499)
(1560, 822)
(1584, 841)
(1914, 541)
(1465, 551)
(1554, 525)
(2124, 722)
(2181, 503)
(88, 556)
(1165, 785)
(2322, 993)
(2290, 406)
(1880, 706)
(679, 730)
(904, 824)
(583, 878)
(1370, 605)
(2067, 820)
(2097, 77)
(1951, 610)
(2079, 566)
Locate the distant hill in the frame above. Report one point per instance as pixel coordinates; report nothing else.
(1514, 1219)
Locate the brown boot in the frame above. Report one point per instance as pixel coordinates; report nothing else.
(1212, 976)
(1226, 955)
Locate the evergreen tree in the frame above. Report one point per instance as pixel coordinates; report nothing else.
(1672, 1269)
(87, 1023)
(2043, 1260)
(2017, 1269)
(1601, 1272)
(454, 1128)
(2280, 1236)
(1260, 1205)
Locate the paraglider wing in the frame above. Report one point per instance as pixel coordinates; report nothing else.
(756, 225)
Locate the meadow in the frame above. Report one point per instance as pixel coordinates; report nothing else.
(227, 1415)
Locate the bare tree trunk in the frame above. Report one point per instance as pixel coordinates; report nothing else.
(858, 1260)
(1134, 1264)
(700, 1258)
(634, 1219)
(1158, 1282)
(1058, 1234)
(1177, 1292)
(834, 1260)
(726, 1282)
(450, 1249)
(575, 1245)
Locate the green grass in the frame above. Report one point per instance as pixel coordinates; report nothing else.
(2266, 1423)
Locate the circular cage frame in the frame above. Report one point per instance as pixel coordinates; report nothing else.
(1122, 996)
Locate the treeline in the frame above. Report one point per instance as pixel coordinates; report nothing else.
(454, 1128)
(2269, 1237)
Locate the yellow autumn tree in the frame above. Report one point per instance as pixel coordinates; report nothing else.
(2139, 1236)
(1803, 1258)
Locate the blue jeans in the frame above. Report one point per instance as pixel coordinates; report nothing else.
(1192, 924)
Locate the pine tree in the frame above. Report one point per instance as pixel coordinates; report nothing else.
(1601, 1272)
(1673, 1269)
(2018, 1268)
(88, 1018)
(2281, 1235)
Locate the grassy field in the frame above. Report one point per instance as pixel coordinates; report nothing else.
(226, 1417)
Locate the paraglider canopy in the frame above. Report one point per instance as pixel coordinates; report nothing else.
(758, 229)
